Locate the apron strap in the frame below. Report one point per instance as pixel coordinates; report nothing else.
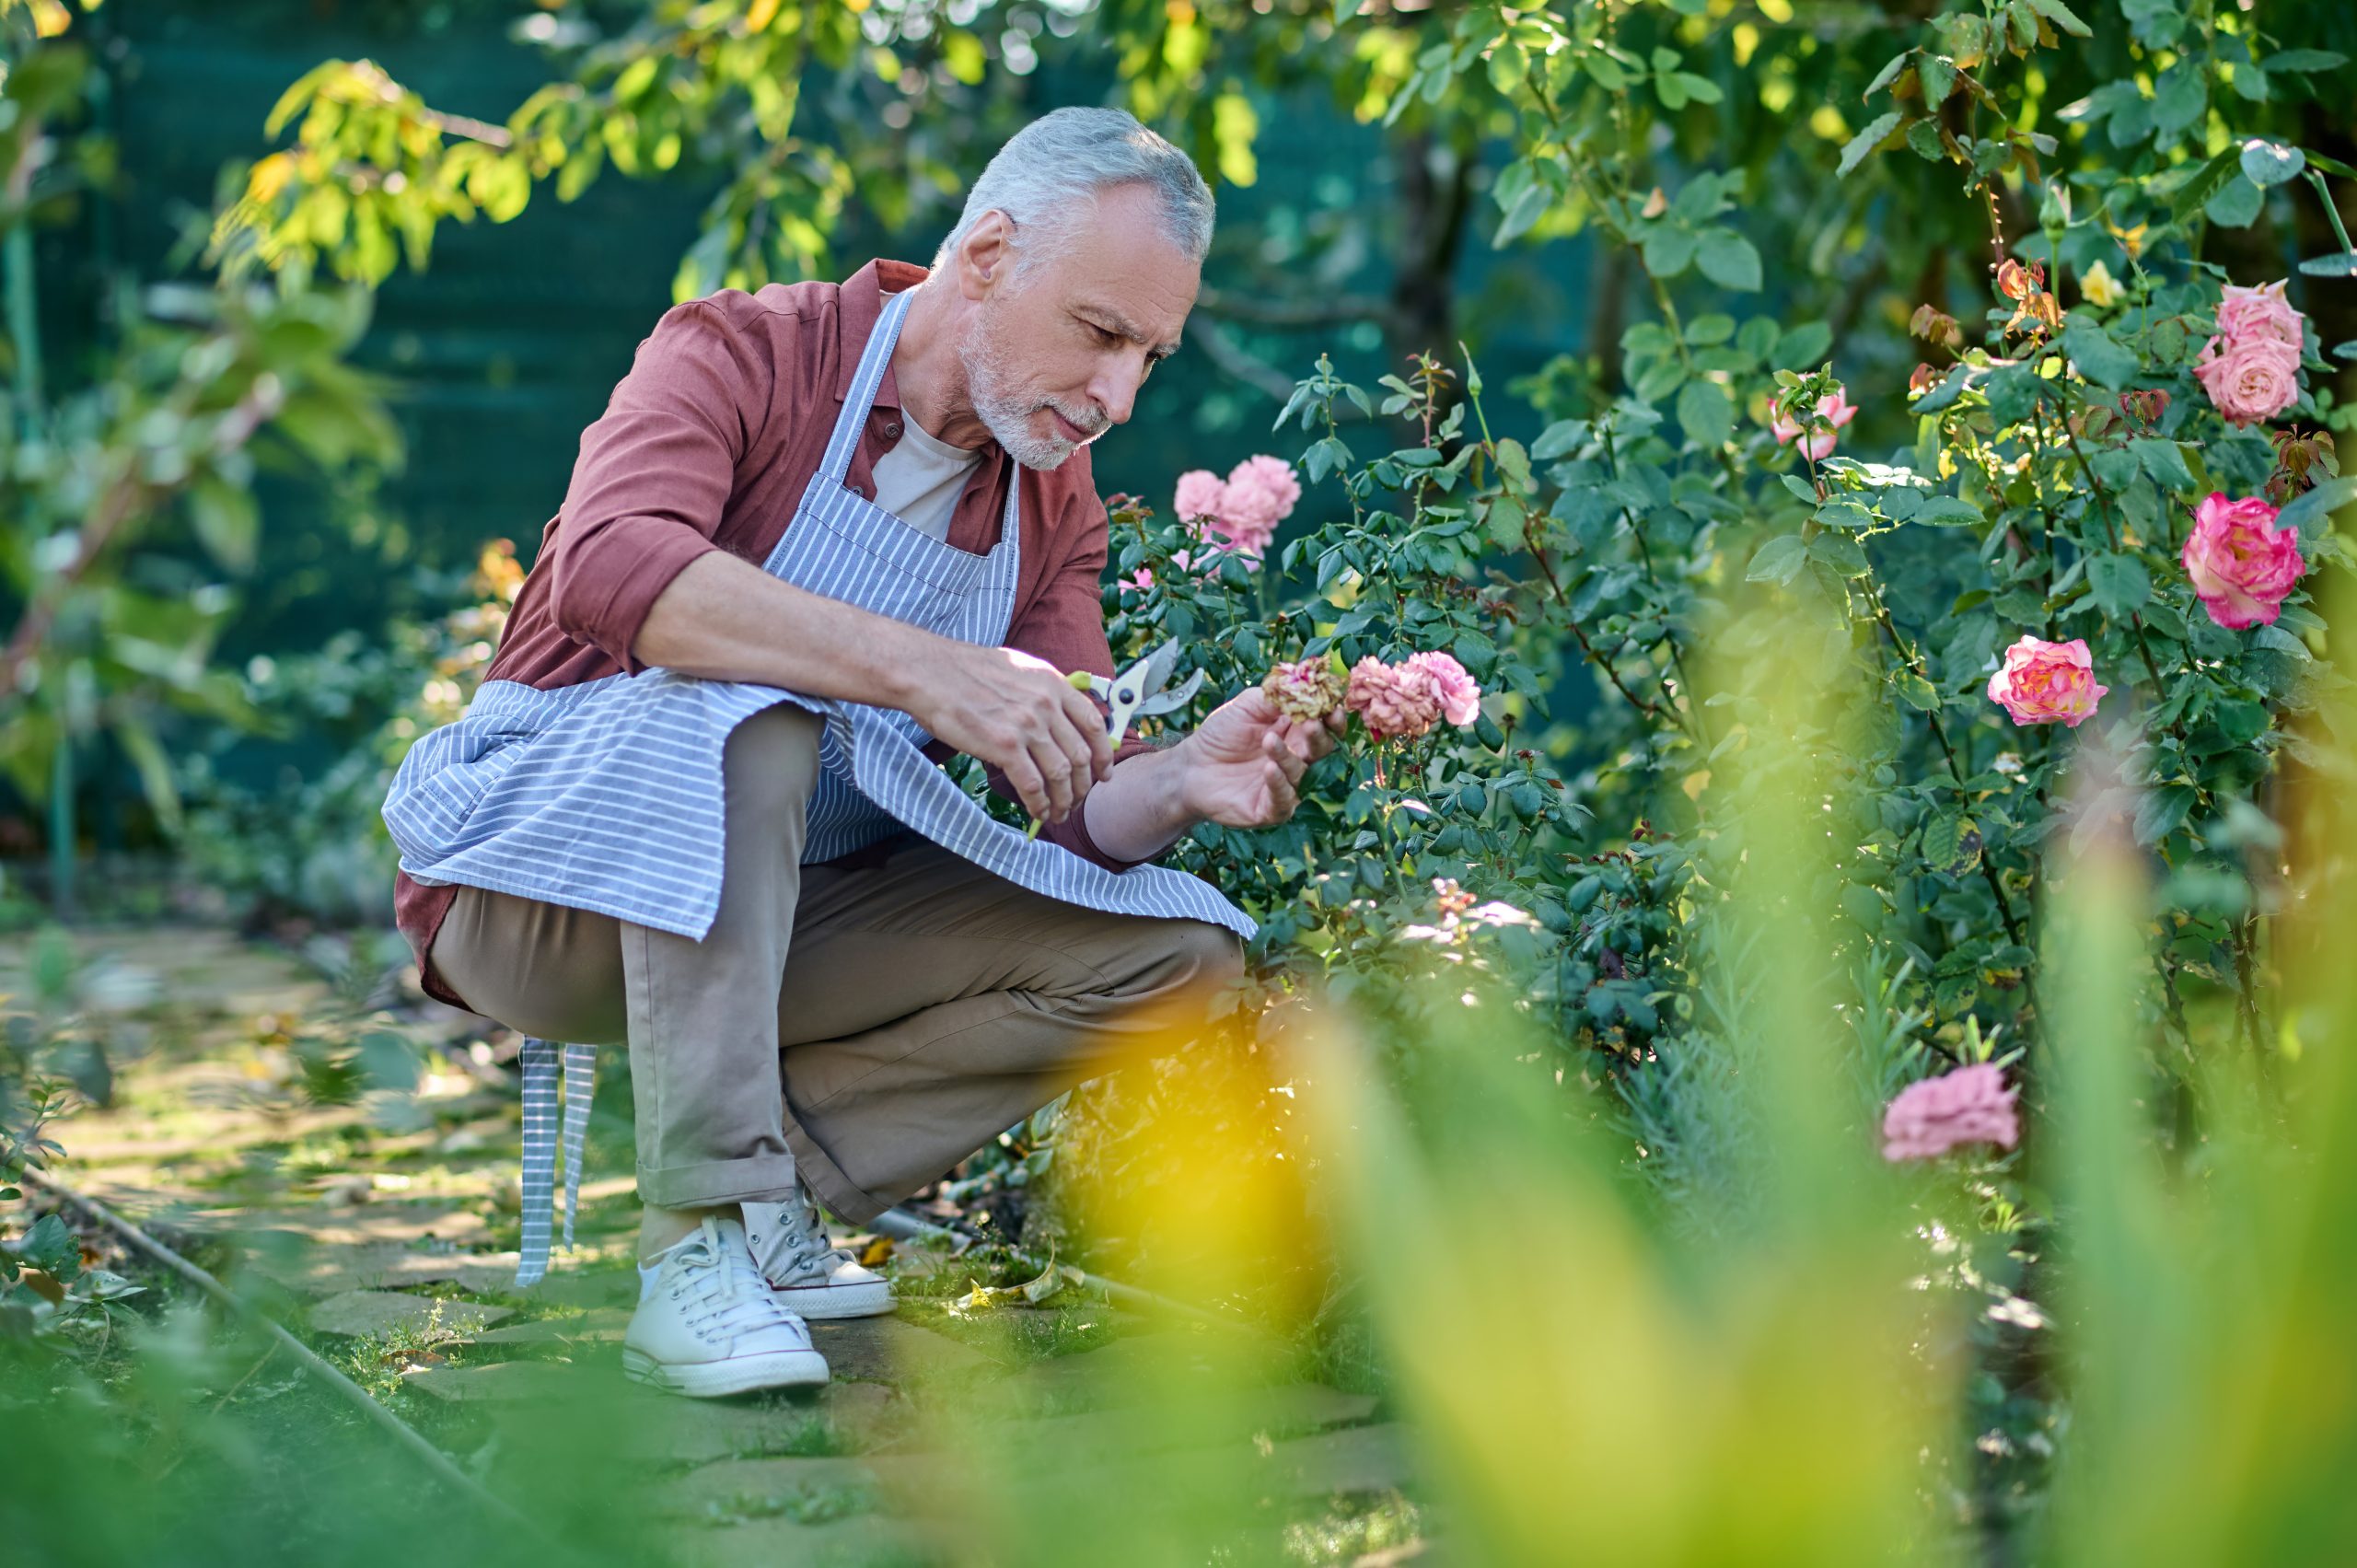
(874, 360)
(541, 1060)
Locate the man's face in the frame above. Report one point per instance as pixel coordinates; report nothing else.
(1054, 360)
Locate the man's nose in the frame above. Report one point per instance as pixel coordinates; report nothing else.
(1114, 388)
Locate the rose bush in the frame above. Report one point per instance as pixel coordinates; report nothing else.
(1991, 563)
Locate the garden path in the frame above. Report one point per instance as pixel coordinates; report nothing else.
(380, 1222)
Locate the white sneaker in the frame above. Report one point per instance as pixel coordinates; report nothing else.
(789, 1246)
(711, 1326)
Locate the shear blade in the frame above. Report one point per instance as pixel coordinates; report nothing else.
(1164, 702)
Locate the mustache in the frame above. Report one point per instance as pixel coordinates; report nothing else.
(1094, 425)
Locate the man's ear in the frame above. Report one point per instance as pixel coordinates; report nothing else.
(985, 255)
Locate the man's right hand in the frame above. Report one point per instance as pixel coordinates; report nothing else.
(1017, 713)
(728, 620)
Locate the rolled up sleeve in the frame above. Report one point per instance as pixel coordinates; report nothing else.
(654, 477)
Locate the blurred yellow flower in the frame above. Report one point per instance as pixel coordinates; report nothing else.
(2099, 288)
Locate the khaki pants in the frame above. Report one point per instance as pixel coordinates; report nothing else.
(863, 1025)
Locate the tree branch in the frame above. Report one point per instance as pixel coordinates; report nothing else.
(1222, 349)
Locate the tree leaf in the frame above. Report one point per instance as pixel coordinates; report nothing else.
(2063, 17)
(1729, 259)
(1865, 140)
(2161, 812)
(1951, 842)
(1841, 553)
(2310, 513)
(2271, 163)
(1707, 413)
(226, 522)
(1946, 512)
(2100, 357)
(2236, 205)
(2181, 96)
(2163, 460)
(1779, 559)
(1527, 209)
(2120, 583)
(1668, 251)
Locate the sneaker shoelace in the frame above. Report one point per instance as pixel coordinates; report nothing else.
(730, 1295)
(807, 1241)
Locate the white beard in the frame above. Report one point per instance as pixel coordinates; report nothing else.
(1006, 412)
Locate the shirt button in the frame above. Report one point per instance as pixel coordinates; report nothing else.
(892, 430)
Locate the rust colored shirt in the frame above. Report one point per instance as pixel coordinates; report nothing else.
(707, 445)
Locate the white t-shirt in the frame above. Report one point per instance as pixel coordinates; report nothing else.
(920, 478)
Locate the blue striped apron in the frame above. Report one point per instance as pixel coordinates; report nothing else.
(606, 796)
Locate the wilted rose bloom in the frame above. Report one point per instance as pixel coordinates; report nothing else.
(1460, 694)
(1309, 689)
(2099, 288)
(1832, 411)
(2249, 382)
(2144, 404)
(1395, 701)
(2261, 315)
(2240, 564)
(1972, 1105)
(2043, 683)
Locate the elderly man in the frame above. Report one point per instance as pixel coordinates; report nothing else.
(823, 538)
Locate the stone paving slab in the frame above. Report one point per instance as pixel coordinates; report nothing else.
(601, 1327)
(854, 1542)
(658, 1427)
(891, 1349)
(1136, 1367)
(357, 1313)
(1059, 1456)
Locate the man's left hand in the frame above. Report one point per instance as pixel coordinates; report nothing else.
(1242, 765)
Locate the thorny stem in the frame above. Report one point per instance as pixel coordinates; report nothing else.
(1956, 772)
(1644, 552)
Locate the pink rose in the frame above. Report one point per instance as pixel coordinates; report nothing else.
(2250, 380)
(1199, 496)
(1972, 1105)
(1832, 411)
(2240, 562)
(1261, 494)
(2261, 315)
(1459, 694)
(1143, 578)
(2043, 683)
(1395, 701)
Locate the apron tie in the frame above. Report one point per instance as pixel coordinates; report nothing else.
(541, 1136)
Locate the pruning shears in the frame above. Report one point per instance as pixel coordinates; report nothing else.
(1135, 692)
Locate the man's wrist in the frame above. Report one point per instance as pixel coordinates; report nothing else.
(1181, 766)
(898, 662)
(1145, 806)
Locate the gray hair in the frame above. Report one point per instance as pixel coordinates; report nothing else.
(1048, 176)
